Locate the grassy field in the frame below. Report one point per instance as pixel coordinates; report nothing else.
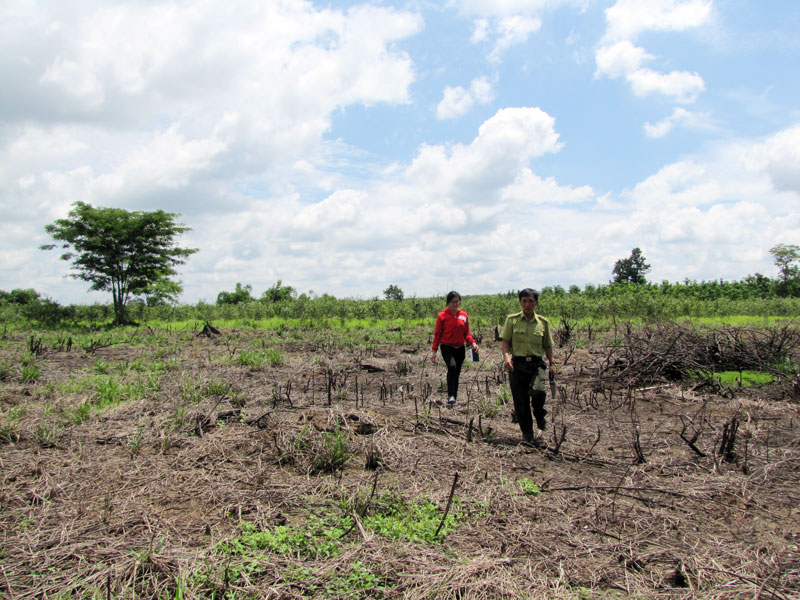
(284, 460)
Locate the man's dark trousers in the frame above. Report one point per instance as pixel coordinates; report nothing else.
(520, 380)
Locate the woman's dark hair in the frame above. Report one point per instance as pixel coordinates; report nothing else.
(453, 294)
(528, 292)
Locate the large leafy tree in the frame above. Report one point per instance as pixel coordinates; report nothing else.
(278, 293)
(124, 252)
(632, 269)
(241, 295)
(393, 292)
(787, 259)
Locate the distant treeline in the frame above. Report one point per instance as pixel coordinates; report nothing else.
(754, 295)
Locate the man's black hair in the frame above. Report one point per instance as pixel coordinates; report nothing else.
(528, 292)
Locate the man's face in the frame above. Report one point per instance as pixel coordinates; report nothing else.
(528, 303)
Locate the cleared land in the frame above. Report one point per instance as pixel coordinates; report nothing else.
(318, 463)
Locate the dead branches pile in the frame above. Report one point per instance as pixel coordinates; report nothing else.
(667, 352)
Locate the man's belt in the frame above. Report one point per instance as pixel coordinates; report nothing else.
(532, 358)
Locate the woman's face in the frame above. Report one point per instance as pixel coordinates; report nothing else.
(454, 304)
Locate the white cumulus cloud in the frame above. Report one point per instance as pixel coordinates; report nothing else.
(628, 18)
(616, 56)
(457, 101)
(680, 117)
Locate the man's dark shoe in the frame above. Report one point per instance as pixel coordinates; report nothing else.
(528, 440)
(541, 422)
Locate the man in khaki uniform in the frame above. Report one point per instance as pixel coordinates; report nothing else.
(526, 340)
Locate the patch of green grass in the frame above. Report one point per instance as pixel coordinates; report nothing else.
(324, 535)
(395, 517)
(743, 378)
(153, 367)
(255, 359)
(317, 538)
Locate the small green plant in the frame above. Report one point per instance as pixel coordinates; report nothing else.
(5, 370)
(358, 583)
(425, 415)
(108, 392)
(29, 373)
(190, 392)
(135, 441)
(101, 367)
(274, 358)
(332, 453)
(216, 388)
(47, 434)
(9, 432)
(503, 395)
(529, 487)
(489, 407)
(178, 419)
(81, 413)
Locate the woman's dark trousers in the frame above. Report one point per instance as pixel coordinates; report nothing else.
(453, 357)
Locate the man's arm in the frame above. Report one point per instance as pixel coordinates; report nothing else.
(548, 351)
(505, 346)
(550, 361)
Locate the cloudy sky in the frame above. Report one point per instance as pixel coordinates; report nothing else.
(338, 146)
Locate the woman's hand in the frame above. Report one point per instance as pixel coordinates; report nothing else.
(433, 357)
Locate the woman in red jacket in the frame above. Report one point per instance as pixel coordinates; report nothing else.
(451, 333)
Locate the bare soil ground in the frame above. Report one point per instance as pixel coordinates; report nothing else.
(648, 486)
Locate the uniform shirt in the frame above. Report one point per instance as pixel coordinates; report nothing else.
(452, 329)
(528, 338)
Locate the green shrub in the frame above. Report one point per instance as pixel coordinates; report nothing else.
(29, 373)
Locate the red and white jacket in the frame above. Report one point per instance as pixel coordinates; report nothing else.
(452, 329)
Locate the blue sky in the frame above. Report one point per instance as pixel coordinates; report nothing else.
(341, 147)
